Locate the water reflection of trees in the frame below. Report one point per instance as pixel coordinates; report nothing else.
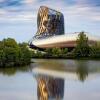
(80, 67)
(13, 70)
(82, 70)
(50, 88)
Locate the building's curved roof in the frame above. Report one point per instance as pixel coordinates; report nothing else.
(61, 39)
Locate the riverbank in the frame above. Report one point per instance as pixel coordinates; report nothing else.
(73, 58)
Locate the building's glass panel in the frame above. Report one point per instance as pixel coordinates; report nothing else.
(49, 22)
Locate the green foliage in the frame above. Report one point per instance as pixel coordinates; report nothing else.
(25, 54)
(12, 54)
(95, 50)
(2, 57)
(48, 51)
(65, 51)
(11, 50)
(82, 48)
(39, 54)
(56, 52)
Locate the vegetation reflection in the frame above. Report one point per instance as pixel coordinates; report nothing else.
(13, 70)
(80, 67)
(82, 70)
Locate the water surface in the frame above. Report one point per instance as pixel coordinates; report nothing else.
(52, 80)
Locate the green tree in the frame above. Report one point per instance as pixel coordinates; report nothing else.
(25, 54)
(2, 54)
(11, 50)
(95, 50)
(64, 51)
(56, 51)
(48, 51)
(13, 54)
(82, 48)
(2, 58)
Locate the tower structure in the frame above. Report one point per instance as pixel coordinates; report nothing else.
(49, 23)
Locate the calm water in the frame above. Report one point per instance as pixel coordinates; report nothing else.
(52, 80)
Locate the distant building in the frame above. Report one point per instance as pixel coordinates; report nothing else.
(50, 33)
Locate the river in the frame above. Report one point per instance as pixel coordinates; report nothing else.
(52, 79)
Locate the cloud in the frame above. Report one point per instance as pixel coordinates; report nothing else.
(2, 12)
(8, 3)
(88, 2)
(29, 1)
(16, 10)
(24, 17)
(26, 10)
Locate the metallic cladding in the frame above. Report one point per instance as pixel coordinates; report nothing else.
(49, 23)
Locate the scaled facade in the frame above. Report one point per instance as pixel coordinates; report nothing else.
(49, 23)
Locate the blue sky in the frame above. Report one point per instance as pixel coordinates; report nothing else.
(18, 18)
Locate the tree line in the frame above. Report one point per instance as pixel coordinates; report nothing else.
(13, 54)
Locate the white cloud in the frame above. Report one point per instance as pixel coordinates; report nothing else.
(96, 18)
(22, 17)
(29, 1)
(2, 12)
(73, 12)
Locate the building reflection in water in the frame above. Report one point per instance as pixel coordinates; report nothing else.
(49, 88)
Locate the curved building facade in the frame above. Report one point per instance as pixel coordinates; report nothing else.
(49, 23)
(50, 33)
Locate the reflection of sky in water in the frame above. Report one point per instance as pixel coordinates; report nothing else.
(89, 90)
(22, 84)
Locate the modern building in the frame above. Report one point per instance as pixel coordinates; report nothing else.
(49, 23)
(50, 34)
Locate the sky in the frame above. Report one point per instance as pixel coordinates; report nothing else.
(18, 18)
